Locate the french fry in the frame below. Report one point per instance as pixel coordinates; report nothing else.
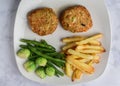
(68, 69)
(76, 74)
(81, 47)
(72, 39)
(68, 46)
(90, 51)
(94, 42)
(78, 38)
(73, 68)
(90, 63)
(84, 56)
(73, 76)
(79, 65)
(89, 39)
(74, 56)
(84, 60)
(96, 59)
(81, 54)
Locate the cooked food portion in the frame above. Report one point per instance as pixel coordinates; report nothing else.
(81, 53)
(29, 66)
(23, 53)
(76, 19)
(43, 21)
(42, 58)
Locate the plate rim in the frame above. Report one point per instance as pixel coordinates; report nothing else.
(110, 34)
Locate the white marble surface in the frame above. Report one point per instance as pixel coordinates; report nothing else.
(9, 74)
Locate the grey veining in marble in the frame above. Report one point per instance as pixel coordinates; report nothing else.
(9, 74)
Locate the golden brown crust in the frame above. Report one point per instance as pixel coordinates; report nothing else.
(76, 19)
(43, 21)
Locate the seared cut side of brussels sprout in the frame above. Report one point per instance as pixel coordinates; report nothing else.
(41, 61)
(40, 72)
(29, 66)
(50, 71)
(23, 53)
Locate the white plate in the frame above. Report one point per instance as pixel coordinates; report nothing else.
(100, 18)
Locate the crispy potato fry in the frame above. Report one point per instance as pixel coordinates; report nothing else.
(79, 65)
(84, 60)
(73, 76)
(79, 58)
(96, 59)
(74, 56)
(80, 47)
(73, 68)
(90, 51)
(81, 54)
(90, 63)
(71, 45)
(68, 69)
(94, 42)
(84, 56)
(72, 39)
(76, 74)
(89, 39)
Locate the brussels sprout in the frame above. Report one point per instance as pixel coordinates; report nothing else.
(23, 53)
(40, 72)
(50, 71)
(29, 66)
(41, 61)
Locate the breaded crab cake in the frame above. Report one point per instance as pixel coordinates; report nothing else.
(42, 21)
(76, 19)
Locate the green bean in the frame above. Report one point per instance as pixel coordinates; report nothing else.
(57, 71)
(43, 42)
(44, 50)
(37, 43)
(45, 56)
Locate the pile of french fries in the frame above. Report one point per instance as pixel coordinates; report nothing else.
(81, 53)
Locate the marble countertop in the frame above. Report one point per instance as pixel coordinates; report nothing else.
(10, 75)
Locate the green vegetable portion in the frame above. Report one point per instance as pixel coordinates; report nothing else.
(23, 53)
(33, 49)
(41, 61)
(44, 50)
(41, 58)
(37, 43)
(29, 66)
(40, 72)
(58, 72)
(50, 71)
(56, 55)
(44, 42)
